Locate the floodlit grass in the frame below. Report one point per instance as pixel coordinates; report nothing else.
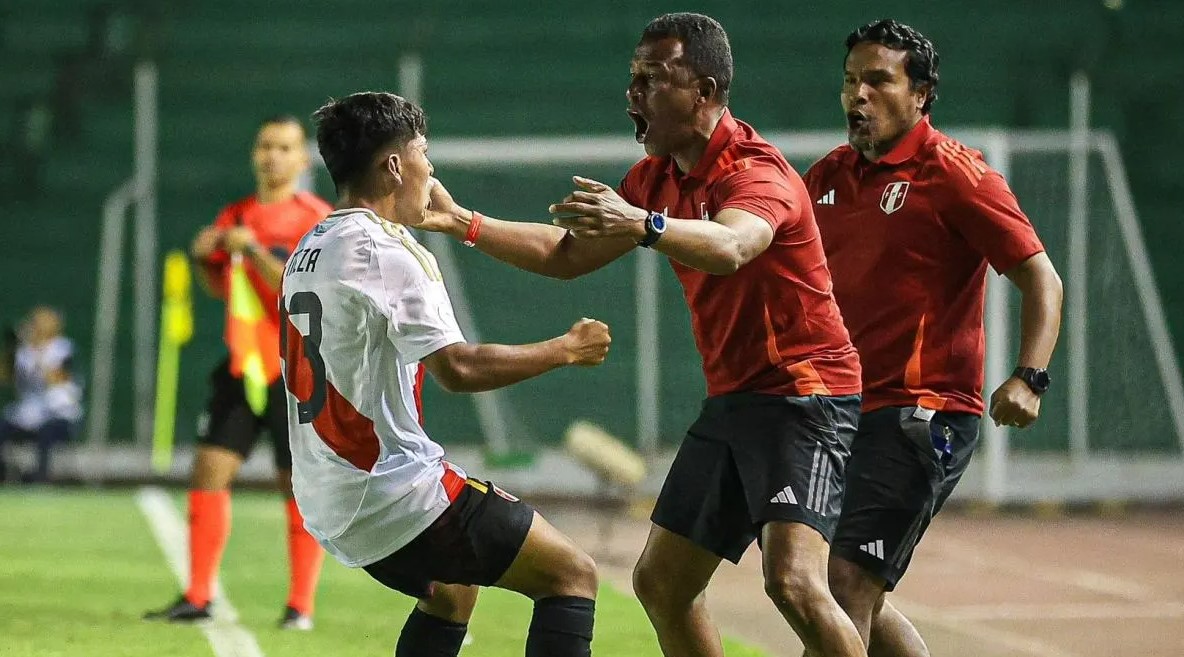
(77, 569)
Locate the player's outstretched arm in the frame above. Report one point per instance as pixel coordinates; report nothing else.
(464, 367)
(538, 248)
(721, 246)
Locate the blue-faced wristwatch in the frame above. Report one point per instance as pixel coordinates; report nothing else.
(655, 225)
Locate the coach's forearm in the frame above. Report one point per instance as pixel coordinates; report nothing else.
(703, 245)
(467, 367)
(1040, 310)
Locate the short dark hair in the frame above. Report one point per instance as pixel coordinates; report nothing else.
(705, 45)
(351, 130)
(281, 119)
(922, 61)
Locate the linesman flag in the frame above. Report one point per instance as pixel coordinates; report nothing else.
(176, 329)
(254, 341)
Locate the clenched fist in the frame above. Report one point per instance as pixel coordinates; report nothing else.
(587, 342)
(1014, 404)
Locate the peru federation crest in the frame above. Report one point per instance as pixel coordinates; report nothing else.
(893, 197)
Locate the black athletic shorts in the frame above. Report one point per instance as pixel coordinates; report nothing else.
(904, 464)
(474, 542)
(229, 422)
(751, 459)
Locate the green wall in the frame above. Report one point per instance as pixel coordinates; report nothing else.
(538, 68)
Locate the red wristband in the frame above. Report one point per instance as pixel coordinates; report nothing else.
(474, 229)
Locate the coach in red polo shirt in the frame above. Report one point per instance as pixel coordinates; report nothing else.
(911, 219)
(766, 456)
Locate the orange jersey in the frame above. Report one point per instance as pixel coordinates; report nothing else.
(278, 227)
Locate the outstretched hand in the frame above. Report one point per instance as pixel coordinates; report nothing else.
(598, 212)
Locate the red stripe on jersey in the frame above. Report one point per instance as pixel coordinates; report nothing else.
(346, 431)
(726, 158)
(338, 424)
(738, 165)
(453, 482)
(962, 161)
(419, 375)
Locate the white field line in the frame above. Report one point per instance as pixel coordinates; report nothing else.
(226, 636)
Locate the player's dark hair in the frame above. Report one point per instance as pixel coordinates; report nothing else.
(350, 131)
(922, 61)
(705, 45)
(281, 119)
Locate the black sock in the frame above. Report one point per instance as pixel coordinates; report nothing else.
(425, 635)
(561, 627)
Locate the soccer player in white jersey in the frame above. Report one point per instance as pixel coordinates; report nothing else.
(363, 304)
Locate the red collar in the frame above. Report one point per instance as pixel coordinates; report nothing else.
(721, 136)
(907, 148)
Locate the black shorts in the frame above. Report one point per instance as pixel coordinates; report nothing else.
(751, 459)
(473, 542)
(903, 467)
(229, 422)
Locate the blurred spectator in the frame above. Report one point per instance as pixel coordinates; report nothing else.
(48, 400)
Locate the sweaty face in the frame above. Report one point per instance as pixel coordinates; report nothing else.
(877, 98)
(280, 154)
(661, 96)
(415, 173)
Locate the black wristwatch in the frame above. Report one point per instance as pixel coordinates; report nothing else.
(655, 225)
(1036, 378)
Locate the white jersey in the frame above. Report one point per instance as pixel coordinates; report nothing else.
(37, 400)
(362, 302)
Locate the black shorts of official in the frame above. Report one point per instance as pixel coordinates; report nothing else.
(229, 422)
(474, 542)
(902, 470)
(751, 459)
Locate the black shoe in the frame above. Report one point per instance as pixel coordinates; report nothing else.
(294, 620)
(181, 611)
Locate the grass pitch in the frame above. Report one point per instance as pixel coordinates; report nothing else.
(78, 568)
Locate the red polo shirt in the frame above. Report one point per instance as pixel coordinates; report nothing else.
(908, 240)
(773, 326)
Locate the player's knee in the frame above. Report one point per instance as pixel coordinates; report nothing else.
(573, 575)
(450, 602)
(582, 577)
(795, 590)
(658, 589)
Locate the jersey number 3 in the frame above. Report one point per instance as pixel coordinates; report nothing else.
(299, 378)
